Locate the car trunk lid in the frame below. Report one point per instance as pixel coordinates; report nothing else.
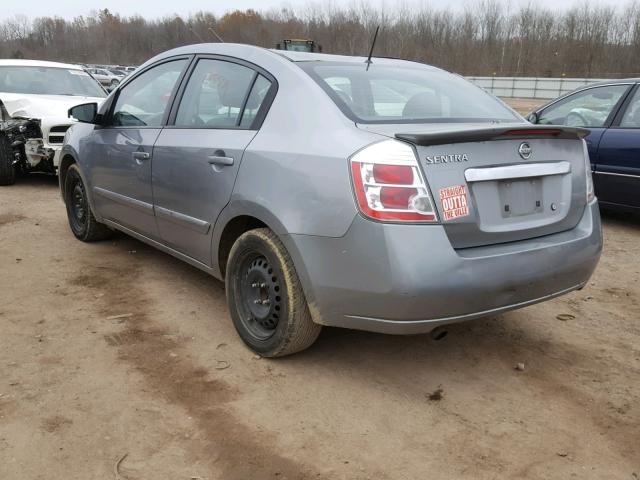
(496, 184)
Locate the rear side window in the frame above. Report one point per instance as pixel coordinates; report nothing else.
(256, 98)
(221, 94)
(143, 102)
(405, 94)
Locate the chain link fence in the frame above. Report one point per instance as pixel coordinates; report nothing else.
(531, 87)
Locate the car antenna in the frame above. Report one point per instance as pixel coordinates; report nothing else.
(373, 44)
(217, 36)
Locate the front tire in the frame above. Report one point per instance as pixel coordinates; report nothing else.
(7, 169)
(83, 224)
(265, 298)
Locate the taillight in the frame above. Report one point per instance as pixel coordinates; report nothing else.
(388, 184)
(393, 174)
(587, 166)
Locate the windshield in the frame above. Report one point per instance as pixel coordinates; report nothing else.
(48, 81)
(401, 94)
(298, 46)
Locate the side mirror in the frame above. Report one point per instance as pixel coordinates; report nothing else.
(532, 118)
(85, 113)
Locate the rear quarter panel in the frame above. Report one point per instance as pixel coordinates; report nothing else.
(294, 174)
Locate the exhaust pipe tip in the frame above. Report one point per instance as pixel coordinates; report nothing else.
(438, 333)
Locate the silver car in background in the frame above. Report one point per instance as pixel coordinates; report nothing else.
(392, 197)
(107, 78)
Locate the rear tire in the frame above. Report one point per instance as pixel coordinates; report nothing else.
(265, 298)
(83, 224)
(7, 169)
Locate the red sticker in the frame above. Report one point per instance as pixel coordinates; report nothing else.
(454, 201)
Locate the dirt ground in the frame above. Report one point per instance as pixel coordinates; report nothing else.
(120, 362)
(524, 105)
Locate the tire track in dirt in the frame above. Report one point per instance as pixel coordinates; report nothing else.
(231, 448)
(8, 218)
(553, 360)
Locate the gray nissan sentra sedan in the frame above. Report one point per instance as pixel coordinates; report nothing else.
(392, 196)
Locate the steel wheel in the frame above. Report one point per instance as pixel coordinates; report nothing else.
(260, 297)
(78, 206)
(265, 298)
(81, 220)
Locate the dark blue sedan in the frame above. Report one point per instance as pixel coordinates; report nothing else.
(611, 111)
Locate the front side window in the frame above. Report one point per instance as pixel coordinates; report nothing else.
(216, 94)
(144, 101)
(405, 94)
(588, 108)
(631, 118)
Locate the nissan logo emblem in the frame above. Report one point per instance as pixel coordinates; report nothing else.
(525, 150)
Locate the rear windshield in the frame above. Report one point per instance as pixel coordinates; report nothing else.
(48, 81)
(392, 94)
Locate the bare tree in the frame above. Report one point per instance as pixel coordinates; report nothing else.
(490, 37)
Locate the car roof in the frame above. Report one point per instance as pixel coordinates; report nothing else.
(241, 50)
(329, 57)
(611, 82)
(37, 63)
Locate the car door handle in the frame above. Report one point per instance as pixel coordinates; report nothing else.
(219, 158)
(141, 155)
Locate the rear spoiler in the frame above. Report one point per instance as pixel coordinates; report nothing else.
(492, 133)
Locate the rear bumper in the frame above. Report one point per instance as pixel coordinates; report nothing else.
(404, 279)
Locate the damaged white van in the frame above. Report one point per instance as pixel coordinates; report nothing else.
(35, 98)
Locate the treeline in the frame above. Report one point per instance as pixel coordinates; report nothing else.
(491, 37)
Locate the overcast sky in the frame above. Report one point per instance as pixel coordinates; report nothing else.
(159, 8)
